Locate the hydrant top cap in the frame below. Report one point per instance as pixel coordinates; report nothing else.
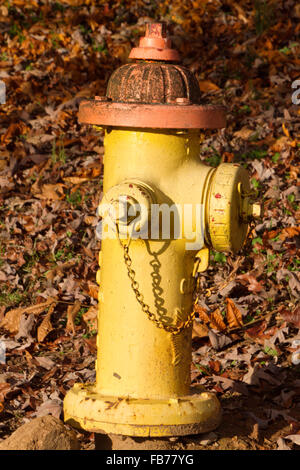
(155, 45)
(153, 92)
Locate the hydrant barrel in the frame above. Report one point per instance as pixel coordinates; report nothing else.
(162, 210)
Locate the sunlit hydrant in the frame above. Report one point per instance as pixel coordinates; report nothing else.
(161, 212)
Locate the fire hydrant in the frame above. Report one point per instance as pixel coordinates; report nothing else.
(149, 261)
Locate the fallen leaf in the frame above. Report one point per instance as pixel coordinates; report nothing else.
(76, 179)
(71, 314)
(91, 318)
(285, 130)
(93, 290)
(282, 445)
(199, 330)
(53, 192)
(91, 344)
(295, 438)
(291, 317)
(255, 432)
(244, 133)
(11, 321)
(202, 313)
(218, 340)
(289, 232)
(216, 320)
(233, 315)
(25, 326)
(207, 85)
(46, 325)
(44, 362)
(50, 407)
(252, 284)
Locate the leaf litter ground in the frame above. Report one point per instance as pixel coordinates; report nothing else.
(246, 334)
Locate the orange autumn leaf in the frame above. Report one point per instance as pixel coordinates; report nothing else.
(289, 232)
(272, 234)
(285, 130)
(216, 320)
(233, 315)
(202, 313)
(206, 85)
(93, 290)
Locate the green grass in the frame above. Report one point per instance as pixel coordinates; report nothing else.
(275, 157)
(219, 257)
(74, 198)
(254, 154)
(11, 299)
(78, 317)
(270, 351)
(58, 153)
(15, 30)
(64, 254)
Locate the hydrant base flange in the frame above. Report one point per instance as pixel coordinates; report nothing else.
(86, 408)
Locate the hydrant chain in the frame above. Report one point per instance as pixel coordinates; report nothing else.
(173, 329)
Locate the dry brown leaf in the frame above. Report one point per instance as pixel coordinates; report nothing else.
(244, 133)
(46, 325)
(91, 344)
(90, 318)
(252, 284)
(58, 270)
(280, 144)
(71, 314)
(199, 330)
(4, 388)
(216, 320)
(54, 192)
(90, 220)
(76, 179)
(11, 321)
(233, 315)
(202, 313)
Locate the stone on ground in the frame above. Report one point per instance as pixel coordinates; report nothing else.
(43, 433)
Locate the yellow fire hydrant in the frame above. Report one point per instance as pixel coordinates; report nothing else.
(162, 211)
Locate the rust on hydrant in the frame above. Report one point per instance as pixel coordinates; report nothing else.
(154, 91)
(155, 45)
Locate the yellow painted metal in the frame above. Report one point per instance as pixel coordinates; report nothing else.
(228, 207)
(201, 261)
(86, 408)
(143, 372)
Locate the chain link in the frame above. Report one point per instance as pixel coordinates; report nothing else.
(173, 329)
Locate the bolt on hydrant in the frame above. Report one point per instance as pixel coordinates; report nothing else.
(162, 211)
